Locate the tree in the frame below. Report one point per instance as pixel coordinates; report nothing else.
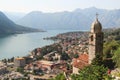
(12, 59)
(4, 60)
(21, 70)
(65, 56)
(69, 66)
(92, 72)
(98, 60)
(39, 57)
(111, 54)
(76, 55)
(116, 57)
(109, 48)
(59, 77)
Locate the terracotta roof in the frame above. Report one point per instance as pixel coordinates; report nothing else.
(19, 58)
(81, 62)
(83, 57)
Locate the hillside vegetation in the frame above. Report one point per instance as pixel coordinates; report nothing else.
(9, 27)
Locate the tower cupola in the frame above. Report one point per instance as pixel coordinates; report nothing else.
(96, 26)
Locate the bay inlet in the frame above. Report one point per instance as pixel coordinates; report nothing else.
(22, 44)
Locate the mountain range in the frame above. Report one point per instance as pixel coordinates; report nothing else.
(14, 16)
(78, 19)
(9, 27)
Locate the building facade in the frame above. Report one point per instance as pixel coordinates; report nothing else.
(19, 62)
(3, 68)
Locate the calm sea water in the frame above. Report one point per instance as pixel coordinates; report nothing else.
(22, 44)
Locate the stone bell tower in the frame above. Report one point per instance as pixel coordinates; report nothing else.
(95, 40)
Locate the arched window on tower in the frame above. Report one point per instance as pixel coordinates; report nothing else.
(91, 37)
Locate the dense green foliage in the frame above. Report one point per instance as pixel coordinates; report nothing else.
(98, 60)
(110, 47)
(59, 77)
(21, 70)
(92, 72)
(64, 56)
(111, 53)
(76, 55)
(116, 57)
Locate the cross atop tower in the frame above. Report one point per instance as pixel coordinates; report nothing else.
(97, 15)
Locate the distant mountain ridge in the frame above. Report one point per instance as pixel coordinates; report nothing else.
(77, 19)
(9, 27)
(14, 16)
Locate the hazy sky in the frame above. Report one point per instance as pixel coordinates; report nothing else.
(55, 5)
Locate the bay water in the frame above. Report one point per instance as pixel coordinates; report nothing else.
(23, 44)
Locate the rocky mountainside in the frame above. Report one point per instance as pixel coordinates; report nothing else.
(9, 27)
(77, 19)
(14, 16)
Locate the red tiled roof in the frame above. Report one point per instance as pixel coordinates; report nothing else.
(84, 57)
(81, 62)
